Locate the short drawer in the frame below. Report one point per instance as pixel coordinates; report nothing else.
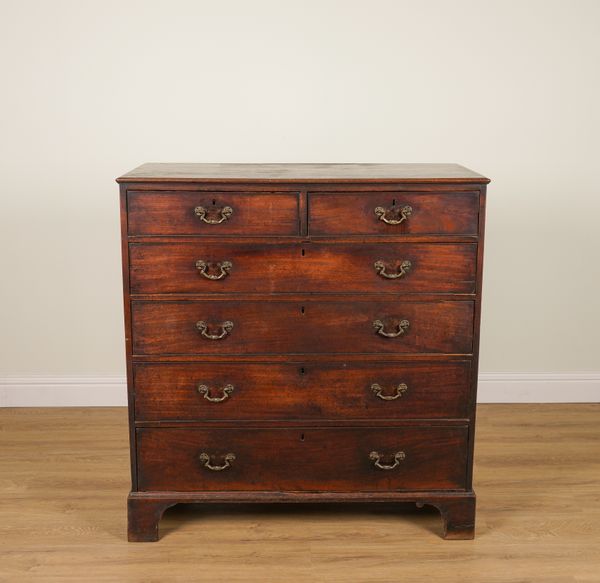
(309, 267)
(378, 390)
(283, 459)
(230, 327)
(394, 213)
(212, 213)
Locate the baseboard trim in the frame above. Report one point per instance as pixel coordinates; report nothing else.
(569, 387)
(63, 391)
(88, 391)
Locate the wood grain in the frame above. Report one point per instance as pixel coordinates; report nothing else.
(303, 391)
(272, 248)
(301, 327)
(189, 172)
(351, 213)
(173, 213)
(308, 267)
(64, 475)
(302, 459)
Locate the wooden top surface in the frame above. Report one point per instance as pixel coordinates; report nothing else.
(325, 173)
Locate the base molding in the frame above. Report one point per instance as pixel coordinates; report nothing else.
(536, 387)
(63, 391)
(111, 391)
(145, 509)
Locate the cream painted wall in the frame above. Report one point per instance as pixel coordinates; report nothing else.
(91, 89)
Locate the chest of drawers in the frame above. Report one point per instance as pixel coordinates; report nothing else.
(302, 333)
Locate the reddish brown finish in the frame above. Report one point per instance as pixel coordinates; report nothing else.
(476, 334)
(308, 267)
(301, 327)
(302, 173)
(303, 351)
(143, 516)
(457, 508)
(302, 459)
(440, 213)
(458, 515)
(127, 323)
(302, 391)
(172, 213)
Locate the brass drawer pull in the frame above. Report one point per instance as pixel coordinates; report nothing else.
(226, 391)
(227, 458)
(226, 328)
(378, 390)
(401, 212)
(224, 268)
(224, 213)
(380, 268)
(398, 457)
(380, 327)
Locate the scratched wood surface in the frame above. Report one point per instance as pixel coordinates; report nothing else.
(64, 477)
(185, 172)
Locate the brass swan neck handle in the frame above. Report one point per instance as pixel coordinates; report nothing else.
(401, 328)
(226, 328)
(400, 390)
(381, 269)
(223, 269)
(399, 456)
(222, 215)
(227, 458)
(386, 215)
(226, 391)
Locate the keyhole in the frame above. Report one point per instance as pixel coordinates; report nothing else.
(394, 202)
(214, 201)
(302, 437)
(302, 370)
(302, 310)
(303, 252)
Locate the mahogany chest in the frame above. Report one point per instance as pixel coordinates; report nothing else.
(302, 333)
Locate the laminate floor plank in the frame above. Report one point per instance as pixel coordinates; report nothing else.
(64, 478)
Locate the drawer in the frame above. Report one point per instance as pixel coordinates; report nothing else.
(378, 390)
(283, 459)
(394, 213)
(228, 327)
(310, 267)
(212, 213)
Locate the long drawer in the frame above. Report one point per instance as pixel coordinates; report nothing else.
(228, 327)
(284, 459)
(212, 213)
(272, 391)
(309, 267)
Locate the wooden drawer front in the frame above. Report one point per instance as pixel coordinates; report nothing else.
(455, 213)
(295, 327)
(283, 459)
(312, 267)
(305, 391)
(174, 213)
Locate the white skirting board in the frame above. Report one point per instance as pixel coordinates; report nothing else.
(88, 391)
(63, 391)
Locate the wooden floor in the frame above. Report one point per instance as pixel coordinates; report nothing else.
(64, 479)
